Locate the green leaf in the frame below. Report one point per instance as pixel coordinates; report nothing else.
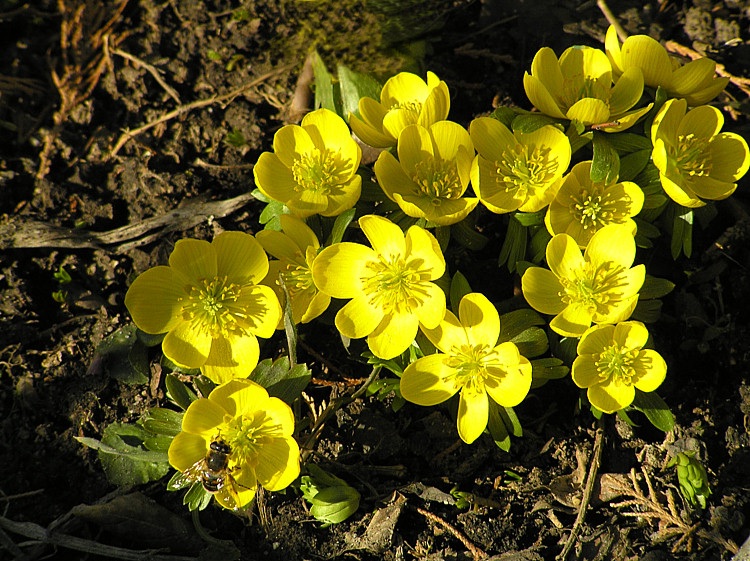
(270, 216)
(355, 86)
(125, 459)
(655, 409)
(654, 287)
(633, 164)
(605, 164)
(538, 244)
(578, 136)
(516, 322)
(627, 142)
(505, 115)
(339, 227)
(332, 500)
(459, 288)
(205, 385)
(124, 357)
(682, 231)
(465, 234)
(532, 121)
(496, 427)
(511, 421)
(161, 421)
(514, 245)
(531, 342)
(647, 311)
(178, 392)
(280, 380)
(324, 97)
(530, 218)
(545, 369)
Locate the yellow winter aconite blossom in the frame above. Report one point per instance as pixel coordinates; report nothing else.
(694, 159)
(696, 81)
(612, 363)
(313, 168)
(209, 304)
(582, 208)
(600, 286)
(406, 99)
(252, 429)
(390, 285)
(295, 249)
(431, 174)
(579, 87)
(470, 361)
(517, 171)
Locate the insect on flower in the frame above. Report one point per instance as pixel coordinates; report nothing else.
(213, 472)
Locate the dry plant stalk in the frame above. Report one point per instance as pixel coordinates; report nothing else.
(86, 29)
(669, 522)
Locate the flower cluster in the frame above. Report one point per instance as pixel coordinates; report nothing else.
(583, 213)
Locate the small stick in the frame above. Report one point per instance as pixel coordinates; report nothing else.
(588, 492)
(476, 552)
(127, 135)
(151, 70)
(621, 33)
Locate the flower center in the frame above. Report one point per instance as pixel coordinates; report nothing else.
(410, 111)
(317, 171)
(437, 180)
(525, 169)
(470, 363)
(594, 286)
(616, 363)
(577, 88)
(692, 156)
(212, 306)
(595, 208)
(395, 285)
(296, 278)
(246, 434)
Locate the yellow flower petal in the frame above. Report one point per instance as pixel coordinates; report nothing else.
(386, 238)
(473, 412)
(630, 334)
(610, 397)
(240, 257)
(589, 111)
(414, 146)
(338, 270)
(358, 318)
(540, 97)
(651, 369)
(273, 178)
(512, 385)
(627, 91)
(421, 245)
(613, 243)
(392, 177)
(186, 449)
(278, 466)
(704, 122)
(187, 346)
(491, 138)
(541, 288)
(428, 381)
(290, 142)
(431, 313)
(232, 359)
(280, 245)
(393, 335)
(203, 418)
(153, 300)
(573, 321)
(480, 319)
(447, 333)
(195, 259)
(564, 257)
(584, 372)
(437, 105)
(239, 397)
(730, 157)
(595, 339)
(646, 53)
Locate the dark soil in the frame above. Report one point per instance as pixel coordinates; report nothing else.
(69, 180)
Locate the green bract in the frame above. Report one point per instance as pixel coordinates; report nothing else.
(431, 174)
(579, 87)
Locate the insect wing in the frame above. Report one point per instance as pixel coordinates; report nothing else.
(180, 480)
(227, 494)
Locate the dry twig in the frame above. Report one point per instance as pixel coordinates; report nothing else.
(476, 552)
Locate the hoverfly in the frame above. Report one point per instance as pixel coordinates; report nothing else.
(213, 473)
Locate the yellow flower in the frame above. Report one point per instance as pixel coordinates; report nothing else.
(579, 87)
(313, 169)
(600, 286)
(470, 361)
(256, 431)
(612, 362)
(404, 100)
(581, 208)
(390, 285)
(296, 249)
(431, 174)
(696, 81)
(208, 304)
(517, 171)
(694, 159)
